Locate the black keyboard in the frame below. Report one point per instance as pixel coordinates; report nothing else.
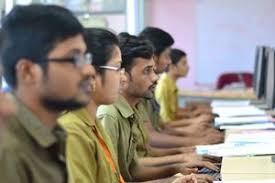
(215, 175)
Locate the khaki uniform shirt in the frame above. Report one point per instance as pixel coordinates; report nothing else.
(85, 157)
(30, 152)
(122, 123)
(152, 108)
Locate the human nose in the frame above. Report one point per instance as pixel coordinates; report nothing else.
(154, 76)
(88, 71)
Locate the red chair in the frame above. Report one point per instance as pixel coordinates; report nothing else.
(229, 78)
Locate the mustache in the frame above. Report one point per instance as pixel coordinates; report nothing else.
(87, 81)
(153, 85)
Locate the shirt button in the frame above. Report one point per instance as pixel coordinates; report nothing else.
(61, 158)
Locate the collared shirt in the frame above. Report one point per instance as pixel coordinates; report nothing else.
(152, 108)
(122, 123)
(85, 156)
(30, 152)
(166, 94)
(142, 136)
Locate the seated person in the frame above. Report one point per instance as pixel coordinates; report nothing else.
(90, 153)
(166, 92)
(161, 133)
(39, 64)
(90, 156)
(124, 119)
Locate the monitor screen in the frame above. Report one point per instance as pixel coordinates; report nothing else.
(260, 71)
(270, 80)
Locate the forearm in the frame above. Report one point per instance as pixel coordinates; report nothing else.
(157, 151)
(179, 123)
(144, 173)
(163, 140)
(176, 131)
(168, 141)
(165, 180)
(164, 160)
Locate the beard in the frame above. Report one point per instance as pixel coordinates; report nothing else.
(149, 95)
(151, 91)
(58, 105)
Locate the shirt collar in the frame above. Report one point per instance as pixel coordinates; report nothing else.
(44, 136)
(84, 116)
(123, 107)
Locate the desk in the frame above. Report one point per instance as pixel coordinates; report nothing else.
(220, 94)
(236, 168)
(247, 168)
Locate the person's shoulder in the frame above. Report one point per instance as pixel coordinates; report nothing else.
(107, 110)
(71, 123)
(164, 78)
(12, 141)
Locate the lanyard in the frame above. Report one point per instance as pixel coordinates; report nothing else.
(107, 154)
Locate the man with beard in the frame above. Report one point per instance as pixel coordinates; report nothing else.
(44, 61)
(161, 134)
(124, 119)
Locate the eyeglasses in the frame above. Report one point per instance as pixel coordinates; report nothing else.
(113, 68)
(78, 60)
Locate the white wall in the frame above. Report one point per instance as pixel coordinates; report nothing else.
(178, 17)
(218, 35)
(228, 32)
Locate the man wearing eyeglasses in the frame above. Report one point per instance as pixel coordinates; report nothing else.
(44, 62)
(124, 119)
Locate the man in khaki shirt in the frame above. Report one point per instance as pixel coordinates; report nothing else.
(161, 133)
(123, 131)
(45, 65)
(122, 119)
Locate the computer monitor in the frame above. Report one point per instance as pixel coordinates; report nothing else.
(270, 80)
(259, 81)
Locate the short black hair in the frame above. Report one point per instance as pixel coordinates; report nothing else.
(101, 43)
(176, 55)
(159, 38)
(134, 47)
(31, 32)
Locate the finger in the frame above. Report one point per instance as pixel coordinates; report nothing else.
(200, 164)
(204, 178)
(187, 171)
(189, 149)
(210, 166)
(189, 179)
(213, 159)
(193, 178)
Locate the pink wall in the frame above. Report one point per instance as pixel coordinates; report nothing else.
(178, 17)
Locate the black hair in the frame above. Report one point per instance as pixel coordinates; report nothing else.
(101, 43)
(159, 38)
(134, 47)
(31, 32)
(176, 55)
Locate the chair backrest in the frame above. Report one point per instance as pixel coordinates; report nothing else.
(228, 78)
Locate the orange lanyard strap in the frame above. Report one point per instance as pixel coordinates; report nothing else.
(107, 154)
